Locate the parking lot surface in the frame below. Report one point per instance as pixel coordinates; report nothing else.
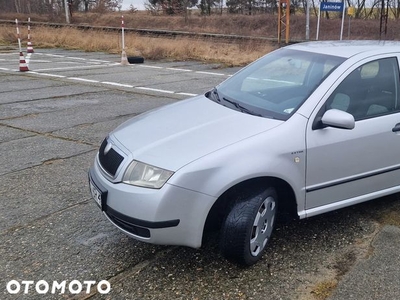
(52, 120)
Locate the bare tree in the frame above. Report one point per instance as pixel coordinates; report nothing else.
(394, 6)
(57, 6)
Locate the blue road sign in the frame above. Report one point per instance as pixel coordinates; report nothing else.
(331, 6)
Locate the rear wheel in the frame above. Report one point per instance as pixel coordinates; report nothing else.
(248, 227)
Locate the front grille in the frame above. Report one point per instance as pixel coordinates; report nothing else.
(110, 161)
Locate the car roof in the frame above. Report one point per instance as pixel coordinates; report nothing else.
(347, 49)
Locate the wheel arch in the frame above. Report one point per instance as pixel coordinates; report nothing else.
(287, 205)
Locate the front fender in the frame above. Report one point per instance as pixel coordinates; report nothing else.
(274, 153)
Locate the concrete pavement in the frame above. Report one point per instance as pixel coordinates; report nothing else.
(52, 121)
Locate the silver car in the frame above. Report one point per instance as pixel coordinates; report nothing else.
(304, 130)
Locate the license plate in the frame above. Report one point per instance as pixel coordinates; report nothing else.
(96, 193)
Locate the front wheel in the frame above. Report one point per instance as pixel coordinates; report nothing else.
(248, 227)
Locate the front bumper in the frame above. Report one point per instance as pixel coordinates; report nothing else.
(168, 216)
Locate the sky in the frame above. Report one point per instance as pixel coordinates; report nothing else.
(136, 3)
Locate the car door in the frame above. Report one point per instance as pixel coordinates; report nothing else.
(347, 166)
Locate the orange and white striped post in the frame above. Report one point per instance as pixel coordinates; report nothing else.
(29, 48)
(124, 59)
(23, 67)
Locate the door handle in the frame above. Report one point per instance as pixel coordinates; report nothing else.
(396, 128)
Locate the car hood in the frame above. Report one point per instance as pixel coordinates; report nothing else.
(175, 135)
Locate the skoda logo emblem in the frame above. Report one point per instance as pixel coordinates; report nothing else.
(107, 148)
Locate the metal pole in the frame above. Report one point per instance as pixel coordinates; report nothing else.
(123, 33)
(67, 12)
(124, 58)
(307, 20)
(18, 36)
(319, 19)
(343, 13)
(29, 48)
(23, 67)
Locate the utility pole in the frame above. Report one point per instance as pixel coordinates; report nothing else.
(283, 20)
(67, 11)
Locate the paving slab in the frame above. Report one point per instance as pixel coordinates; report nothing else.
(22, 85)
(377, 276)
(88, 108)
(10, 134)
(36, 150)
(92, 133)
(73, 244)
(46, 93)
(35, 192)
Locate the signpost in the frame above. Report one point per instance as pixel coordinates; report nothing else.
(331, 6)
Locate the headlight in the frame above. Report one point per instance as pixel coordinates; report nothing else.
(144, 175)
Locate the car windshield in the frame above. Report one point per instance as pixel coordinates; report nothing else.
(277, 84)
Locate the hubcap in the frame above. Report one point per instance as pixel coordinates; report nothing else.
(262, 226)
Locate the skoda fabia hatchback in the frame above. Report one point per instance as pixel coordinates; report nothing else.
(304, 130)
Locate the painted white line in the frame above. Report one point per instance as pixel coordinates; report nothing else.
(71, 68)
(47, 74)
(177, 69)
(151, 67)
(55, 55)
(10, 53)
(77, 58)
(41, 61)
(100, 61)
(83, 79)
(187, 94)
(210, 73)
(108, 83)
(117, 84)
(154, 90)
(70, 63)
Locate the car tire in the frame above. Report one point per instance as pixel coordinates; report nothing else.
(135, 59)
(248, 227)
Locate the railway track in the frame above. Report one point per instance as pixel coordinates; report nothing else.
(156, 32)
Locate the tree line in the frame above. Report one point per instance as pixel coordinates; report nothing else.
(363, 8)
(58, 6)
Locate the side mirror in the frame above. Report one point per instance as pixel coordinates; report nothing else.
(338, 119)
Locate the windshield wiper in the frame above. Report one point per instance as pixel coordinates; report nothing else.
(214, 95)
(242, 108)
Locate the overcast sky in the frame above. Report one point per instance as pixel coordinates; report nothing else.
(136, 3)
